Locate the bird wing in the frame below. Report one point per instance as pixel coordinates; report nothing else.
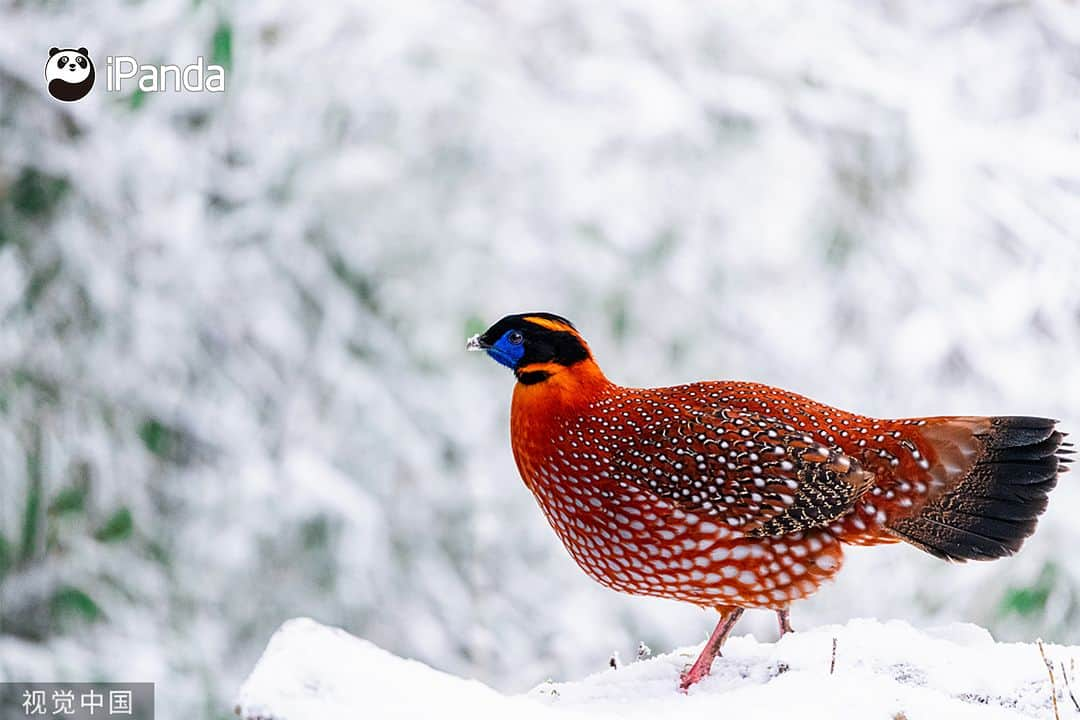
(759, 475)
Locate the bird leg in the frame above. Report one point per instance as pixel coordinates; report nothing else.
(783, 616)
(700, 669)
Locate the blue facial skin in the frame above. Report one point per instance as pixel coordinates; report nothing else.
(505, 352)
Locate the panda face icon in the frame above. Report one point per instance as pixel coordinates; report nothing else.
(69, 73)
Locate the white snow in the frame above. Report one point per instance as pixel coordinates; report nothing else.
(872, 203)
(882, 670)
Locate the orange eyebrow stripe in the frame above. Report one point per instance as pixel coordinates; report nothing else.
(550, 324)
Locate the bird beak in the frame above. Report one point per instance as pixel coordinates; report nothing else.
(474, 344)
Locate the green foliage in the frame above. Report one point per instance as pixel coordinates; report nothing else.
(70, 604)
(118, 527)
(32, 508)
(155, 436)
(360, 284)
(30, 521)
(1030, 600)
(6, 559)
(36, 194)
(137, 98)
(72, 497)
(167, 442)
(315, 533)
(69, 500)
(44, 390)
(40, 280)
(221, 52)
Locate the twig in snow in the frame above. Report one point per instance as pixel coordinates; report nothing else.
(1068, 687)
(614, 662)
(1050, 672)
(643, 650)
(832, 665)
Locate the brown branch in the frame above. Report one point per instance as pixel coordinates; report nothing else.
(832, 665)
(1053, 686)
(1065, 674)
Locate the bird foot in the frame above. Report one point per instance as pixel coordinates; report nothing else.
(694, 674)
(700, 668)
(784, 620)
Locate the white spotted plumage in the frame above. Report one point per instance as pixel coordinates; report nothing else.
(646, 508)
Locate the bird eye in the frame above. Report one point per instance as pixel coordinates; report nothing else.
(515, 338)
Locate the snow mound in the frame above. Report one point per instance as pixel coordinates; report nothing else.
(881, 670)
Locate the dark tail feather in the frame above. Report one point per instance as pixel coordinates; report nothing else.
(993, 504)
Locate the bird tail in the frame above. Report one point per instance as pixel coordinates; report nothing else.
(989, 480)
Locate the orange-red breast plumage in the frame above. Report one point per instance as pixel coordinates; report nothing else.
(736, 495)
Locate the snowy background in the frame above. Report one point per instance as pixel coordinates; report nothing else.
(232, 380)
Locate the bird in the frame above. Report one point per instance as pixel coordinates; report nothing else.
(737, 495)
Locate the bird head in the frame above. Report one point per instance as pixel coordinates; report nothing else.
(535, 346)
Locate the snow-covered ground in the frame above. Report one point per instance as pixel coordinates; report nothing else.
(879, 670)
(231, 349)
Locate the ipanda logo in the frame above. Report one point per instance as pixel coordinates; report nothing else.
(70, 75)
(197, 77)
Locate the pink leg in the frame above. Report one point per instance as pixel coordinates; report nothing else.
(700, 669)
(784, 618)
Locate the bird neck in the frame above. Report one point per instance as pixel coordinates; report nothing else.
(552, 389)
